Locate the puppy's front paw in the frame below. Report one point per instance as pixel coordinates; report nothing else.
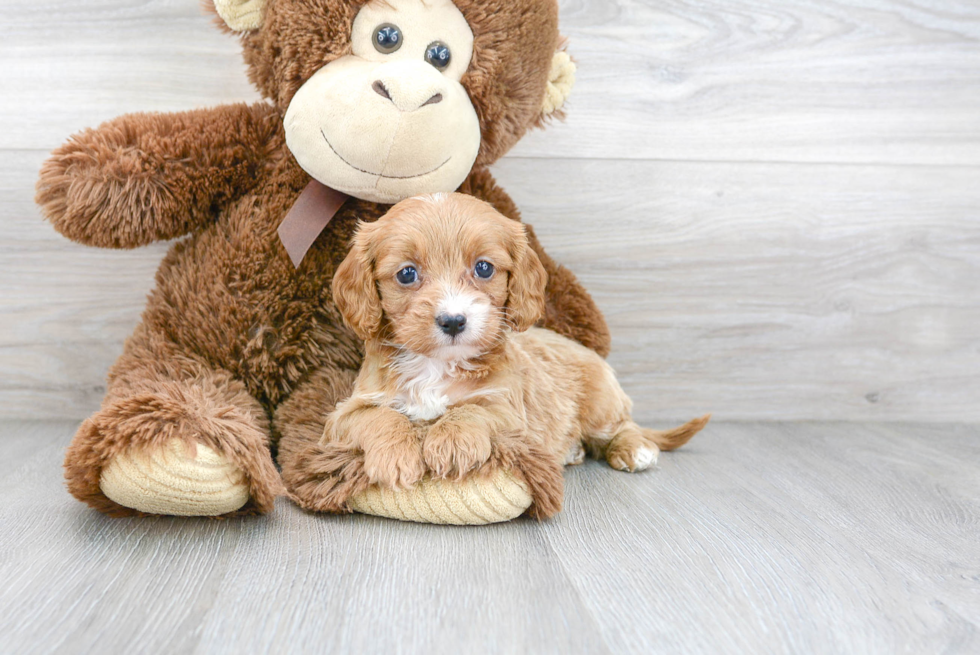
(454, 448)
(396, 462)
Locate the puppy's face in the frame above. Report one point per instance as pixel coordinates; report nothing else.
(443, 276)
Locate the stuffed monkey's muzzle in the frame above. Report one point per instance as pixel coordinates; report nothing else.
(383, 131)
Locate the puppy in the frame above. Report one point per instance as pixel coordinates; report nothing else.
(445, 292)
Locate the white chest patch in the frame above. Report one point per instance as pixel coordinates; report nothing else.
(425, 391)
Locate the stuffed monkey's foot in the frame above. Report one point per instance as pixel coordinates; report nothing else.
(182, 448)
(179, 479)
(475, 500)
(518, 479)
(330, 477)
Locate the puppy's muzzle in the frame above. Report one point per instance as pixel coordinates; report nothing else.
(451, 325)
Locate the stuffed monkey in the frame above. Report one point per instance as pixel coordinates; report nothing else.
(240, 352)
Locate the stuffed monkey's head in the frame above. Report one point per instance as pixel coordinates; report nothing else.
(389, 99)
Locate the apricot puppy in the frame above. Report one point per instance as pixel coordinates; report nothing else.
(444, 291)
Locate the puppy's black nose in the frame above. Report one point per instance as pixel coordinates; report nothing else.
(451, 325)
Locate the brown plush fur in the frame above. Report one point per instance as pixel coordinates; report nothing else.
(233, 340)
(429, 403)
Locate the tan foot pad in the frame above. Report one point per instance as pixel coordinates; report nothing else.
(474, 501)
(172, 482)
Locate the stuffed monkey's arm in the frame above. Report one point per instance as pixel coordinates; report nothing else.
(570, 310)
(145, 177)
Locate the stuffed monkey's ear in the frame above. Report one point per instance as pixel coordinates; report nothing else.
(354, 290)
(561, 79)
(525, 286)
(241, 15)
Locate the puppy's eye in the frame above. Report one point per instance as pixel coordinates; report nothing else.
(483, 269)
(387, 38)
(438, 54)
(407, 275)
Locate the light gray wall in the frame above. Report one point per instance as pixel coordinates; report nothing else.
(777, 204)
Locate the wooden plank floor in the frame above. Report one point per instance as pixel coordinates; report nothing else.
(758, 537)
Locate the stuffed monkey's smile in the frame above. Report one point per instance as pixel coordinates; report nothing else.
(387, 177)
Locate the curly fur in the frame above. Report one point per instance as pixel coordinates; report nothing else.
(235, 347)
(495, 394)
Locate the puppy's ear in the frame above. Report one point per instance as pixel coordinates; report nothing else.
(526, 285)
(354, 290)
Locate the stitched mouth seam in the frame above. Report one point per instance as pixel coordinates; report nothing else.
(390, 177)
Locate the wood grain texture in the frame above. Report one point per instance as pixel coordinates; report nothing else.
(785, 538)
(858, 81)
(774, 291)
(841, 286)
(757, 537)
(754, 291)
(882, 81)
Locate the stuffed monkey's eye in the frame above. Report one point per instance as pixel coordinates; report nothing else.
(438, 54)
(407, 276)
(483, 270)
(387, 38)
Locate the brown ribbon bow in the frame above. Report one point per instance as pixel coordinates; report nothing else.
(308, 218)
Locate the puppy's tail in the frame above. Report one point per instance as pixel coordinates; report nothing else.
(672, 439)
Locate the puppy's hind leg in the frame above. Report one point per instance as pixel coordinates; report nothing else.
(631, 450)
(634, 448)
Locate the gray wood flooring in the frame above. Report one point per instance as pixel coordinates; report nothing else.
(756, 538)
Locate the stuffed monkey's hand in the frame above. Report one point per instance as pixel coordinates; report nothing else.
(570, 310)
(145, 177)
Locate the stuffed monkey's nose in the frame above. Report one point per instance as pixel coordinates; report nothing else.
(451, 325)
(382, 90)
(409, 85)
